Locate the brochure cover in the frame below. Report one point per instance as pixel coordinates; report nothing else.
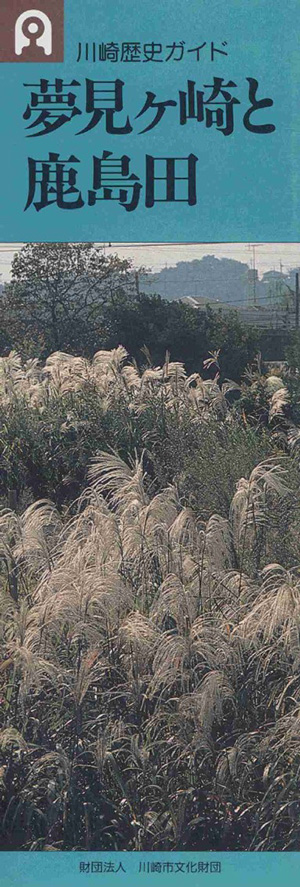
(149, 443)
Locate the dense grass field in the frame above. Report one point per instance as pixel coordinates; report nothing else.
(149, 618)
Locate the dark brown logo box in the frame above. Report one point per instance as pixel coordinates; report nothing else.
(31, 31)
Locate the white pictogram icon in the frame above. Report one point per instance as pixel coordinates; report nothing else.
(33, 26)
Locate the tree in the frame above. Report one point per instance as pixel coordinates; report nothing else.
(189, 334)
(70, 297)
(57, 294)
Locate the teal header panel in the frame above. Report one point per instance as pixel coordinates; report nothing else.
(190, 112)
(149, 869)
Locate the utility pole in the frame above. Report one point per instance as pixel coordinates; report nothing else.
(297, 300)
(252, 246)
(137, 286)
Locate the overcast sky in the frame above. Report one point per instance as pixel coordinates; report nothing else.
(158, 255)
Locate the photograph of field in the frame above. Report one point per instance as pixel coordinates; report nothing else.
(150, 547)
